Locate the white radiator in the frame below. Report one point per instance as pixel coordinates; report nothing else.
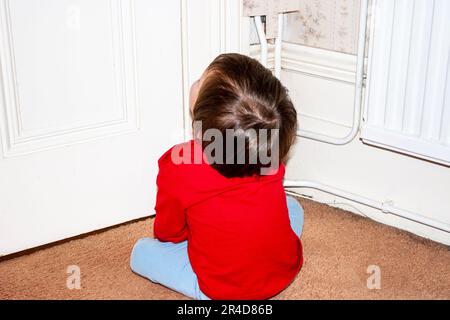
(408, 87)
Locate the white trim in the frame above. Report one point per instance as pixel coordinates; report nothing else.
(319, 62)
(235, 34)
(312, 61)
(185, 66)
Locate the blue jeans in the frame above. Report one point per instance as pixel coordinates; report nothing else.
(168, 263)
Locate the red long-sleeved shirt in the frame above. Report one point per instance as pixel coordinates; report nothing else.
(240, 242)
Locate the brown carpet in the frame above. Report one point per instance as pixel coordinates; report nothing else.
(338, 247)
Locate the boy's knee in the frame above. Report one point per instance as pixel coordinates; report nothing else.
(141, 253)
(293, 204)
(295, 215)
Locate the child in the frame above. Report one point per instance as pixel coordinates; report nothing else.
(224, 228)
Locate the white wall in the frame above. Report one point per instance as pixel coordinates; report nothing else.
(324, 99)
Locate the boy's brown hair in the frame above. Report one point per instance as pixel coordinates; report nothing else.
(241, 94)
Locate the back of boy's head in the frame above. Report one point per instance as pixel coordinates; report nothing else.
(241, 94)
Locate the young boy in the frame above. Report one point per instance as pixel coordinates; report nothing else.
(224, 228)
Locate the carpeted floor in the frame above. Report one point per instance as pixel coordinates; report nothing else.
(338, 248)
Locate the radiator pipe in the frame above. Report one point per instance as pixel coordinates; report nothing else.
(262, 40)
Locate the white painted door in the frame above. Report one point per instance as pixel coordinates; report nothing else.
(90, 95)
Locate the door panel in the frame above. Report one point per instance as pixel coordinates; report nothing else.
(70, 72)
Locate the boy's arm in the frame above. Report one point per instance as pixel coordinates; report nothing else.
(170, 221)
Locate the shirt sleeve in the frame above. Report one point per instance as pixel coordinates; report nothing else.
(170, 221)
